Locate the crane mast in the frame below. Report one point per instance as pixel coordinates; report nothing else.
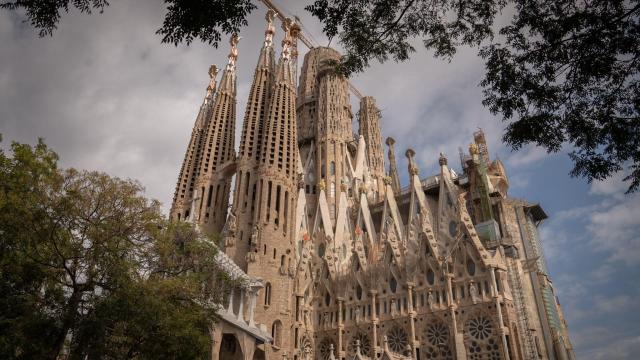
(305, 40)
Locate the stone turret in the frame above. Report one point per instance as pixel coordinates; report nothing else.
(325, 124)
(369, 118)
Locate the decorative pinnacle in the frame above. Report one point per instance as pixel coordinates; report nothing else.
(268, 34)
(443, 160)
(473, 149)
(413, 168)
(390, 141)
(286, 42)
(321, 184)
(233, 53)
(211, 88)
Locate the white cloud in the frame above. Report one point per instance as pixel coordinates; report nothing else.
(616, 230)
(619, 349)
(528, 156)
(610, 186)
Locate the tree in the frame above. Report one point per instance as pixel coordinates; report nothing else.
(90, 267)
(561, 74)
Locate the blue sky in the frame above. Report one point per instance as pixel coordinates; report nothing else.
(106, 95)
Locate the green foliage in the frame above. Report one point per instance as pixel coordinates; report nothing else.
(561, 73)
(88, 265)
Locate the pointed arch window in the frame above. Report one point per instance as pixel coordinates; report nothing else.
(267, 294)
(393, 284)
(332, 168)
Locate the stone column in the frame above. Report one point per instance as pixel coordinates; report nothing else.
(340, 327)
(241, 306)
(374, 322)
(412, 317)
(494, 290)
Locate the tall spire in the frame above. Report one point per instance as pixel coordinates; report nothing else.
(184, 193)
(213, 184)
(272, 233)
(245, 194)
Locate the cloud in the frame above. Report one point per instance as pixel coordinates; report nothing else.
(616, 230)
(613, 185)
(529, 155)
(619, 349)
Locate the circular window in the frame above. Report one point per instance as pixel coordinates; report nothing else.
(365, 344)
(480, 328)
(438, 334)
(325, 349)
(398, 340)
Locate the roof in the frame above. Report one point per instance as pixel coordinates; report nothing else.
(536, 212)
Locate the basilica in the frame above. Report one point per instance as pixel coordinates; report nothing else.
(339, 258)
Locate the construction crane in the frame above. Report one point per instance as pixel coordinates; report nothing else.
(305, 40)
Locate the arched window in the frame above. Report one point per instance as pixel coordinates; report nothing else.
(276, 333)
(267, 294)
(332, 191)
(282, 258)
(393, 284)
(332, 168)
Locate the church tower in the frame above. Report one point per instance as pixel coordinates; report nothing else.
(183, 196)
(271, 249)
(325, 125)
(213, 185)
(369, 118)
(246, 187)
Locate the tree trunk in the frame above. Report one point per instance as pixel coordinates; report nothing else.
(68, 321)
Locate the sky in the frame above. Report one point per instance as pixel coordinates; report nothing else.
(106, 95)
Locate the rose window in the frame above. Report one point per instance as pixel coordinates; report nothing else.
(325, 348)
(306, 349)
(480, 328)
(365, 344)
(398, 340)
(438, 335)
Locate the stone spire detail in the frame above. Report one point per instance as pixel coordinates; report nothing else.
(369, 118)
(213, 184)
(246, 191)
(271, 249)
(393, 166)
(184, 193)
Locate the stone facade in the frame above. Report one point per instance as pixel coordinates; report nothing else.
(355, 266)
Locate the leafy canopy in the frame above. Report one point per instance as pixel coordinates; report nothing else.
(89, 267)
(560, 73)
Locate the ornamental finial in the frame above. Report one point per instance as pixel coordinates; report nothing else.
(211, 88)
(268, 34)
(473, 149)
(443, 160)
(233, 53)
(286, 42)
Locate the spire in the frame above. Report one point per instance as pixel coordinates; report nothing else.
(212, 184)
(259, 96)
(245, 195)
(211, 88)
(184, 193)
(279, 145)
(393, 166)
